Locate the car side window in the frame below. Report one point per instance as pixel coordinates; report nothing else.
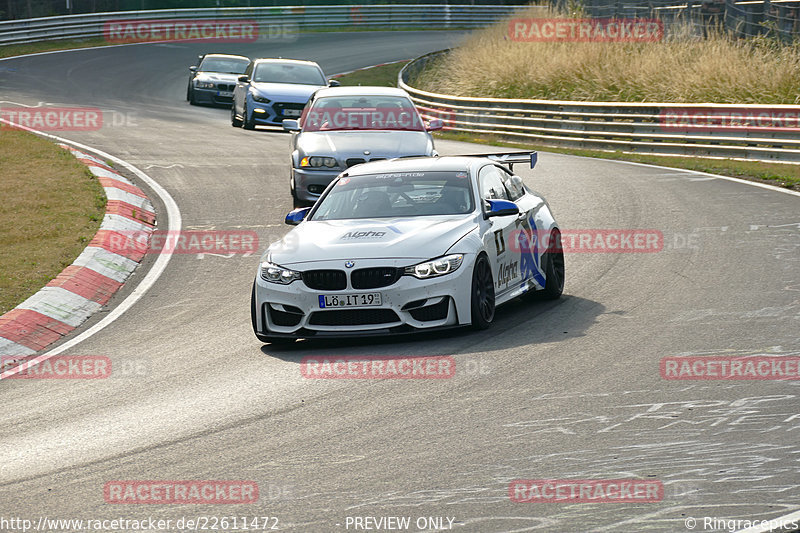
(249, 71)
(491, 184)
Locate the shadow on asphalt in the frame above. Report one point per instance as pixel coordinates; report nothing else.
(517, 323)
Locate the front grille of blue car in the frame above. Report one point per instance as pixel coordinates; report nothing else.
(353, 317)
(278, 107)
(325, 280)
(374, 278)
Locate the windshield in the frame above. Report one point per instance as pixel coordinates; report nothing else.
(288, 73)
(362, 113)
(402, 194)
(224, 64)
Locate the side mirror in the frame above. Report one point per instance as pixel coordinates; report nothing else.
(290, 124)
(434, 125)
(501, 208)
(243, 79)
(193, 69)
(333, 83)
(296, 216)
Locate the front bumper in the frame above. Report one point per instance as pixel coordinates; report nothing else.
(212, 96)
(273, 113)
(407, 305)
(309, 184)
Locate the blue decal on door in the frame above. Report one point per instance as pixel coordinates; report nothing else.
(528, 242)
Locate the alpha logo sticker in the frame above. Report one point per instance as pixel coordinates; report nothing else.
(351, 235)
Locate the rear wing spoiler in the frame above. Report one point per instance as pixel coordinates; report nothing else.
(510, 158)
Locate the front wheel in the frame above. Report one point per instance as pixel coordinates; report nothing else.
(553, 260)
(482, 294)
(235, 122)
(295, 201)
(249, 121)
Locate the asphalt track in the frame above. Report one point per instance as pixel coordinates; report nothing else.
(567, 389)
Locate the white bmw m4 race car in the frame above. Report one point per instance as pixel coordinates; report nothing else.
(409, 244)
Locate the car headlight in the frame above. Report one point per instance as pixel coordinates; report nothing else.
(258, 98)
(204, 84)
(318, 161)
(435, 267)
(277, 274)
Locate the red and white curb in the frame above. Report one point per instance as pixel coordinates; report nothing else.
(91, 280)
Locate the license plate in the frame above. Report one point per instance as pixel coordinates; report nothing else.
(349, 300)
(292, 112)
(225, 93)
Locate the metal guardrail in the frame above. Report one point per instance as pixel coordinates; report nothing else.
(610, 126)
(438, 16)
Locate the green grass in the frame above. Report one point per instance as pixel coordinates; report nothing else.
(778, 174)
(52, 207)
(10, 50)
(384, 75)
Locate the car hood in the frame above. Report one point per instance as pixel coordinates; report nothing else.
(217, 76)
(295, 91)
(415, 239)
(345, 144)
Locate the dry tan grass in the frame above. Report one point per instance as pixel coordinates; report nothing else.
(52, 207)
(681, 68)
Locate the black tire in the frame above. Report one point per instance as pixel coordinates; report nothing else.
(264, 338)
(192, 99)
(248, 122)
(235, 122)
(189, 93)
(553, 260)
(482, 291)
(295, 201)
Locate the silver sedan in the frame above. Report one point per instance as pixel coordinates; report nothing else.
(345, 126)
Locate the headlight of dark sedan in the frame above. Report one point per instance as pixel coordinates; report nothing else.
(203, 85)
(435, 267)
(278, 274)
